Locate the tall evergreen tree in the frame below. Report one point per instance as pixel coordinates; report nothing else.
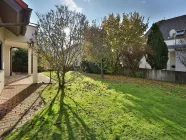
(158, 57)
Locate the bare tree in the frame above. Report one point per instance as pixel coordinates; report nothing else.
(181, 54)
(181, 51)
(59, 38)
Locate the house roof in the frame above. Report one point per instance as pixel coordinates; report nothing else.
(22, 4)
(177, 23)
(14, 12)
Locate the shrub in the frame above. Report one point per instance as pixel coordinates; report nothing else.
(138, 74)
(90, 67)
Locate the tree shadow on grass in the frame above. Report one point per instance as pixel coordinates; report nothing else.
(70, 117)
(163, 111)
(56, 121)
(38, 122)
(89, 132)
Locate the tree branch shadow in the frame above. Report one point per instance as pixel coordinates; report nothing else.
(67, 119)
(34, 88)
(89, 132)
(64, 112)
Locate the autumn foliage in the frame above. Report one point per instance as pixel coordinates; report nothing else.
(118, 41)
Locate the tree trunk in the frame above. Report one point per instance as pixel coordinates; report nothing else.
(63, 80)
(102, 76)
(61, 84)
(117, 63)
(59, 79)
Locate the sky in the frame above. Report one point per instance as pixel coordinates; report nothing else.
(96, 9)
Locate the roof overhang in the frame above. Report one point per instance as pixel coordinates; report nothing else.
(22, 4)
(15, 16)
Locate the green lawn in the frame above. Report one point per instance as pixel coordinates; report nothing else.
(116, 108)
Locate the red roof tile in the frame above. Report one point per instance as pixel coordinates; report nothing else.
(22, 4)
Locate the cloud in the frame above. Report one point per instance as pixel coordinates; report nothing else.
(144, 1)
(72, 5)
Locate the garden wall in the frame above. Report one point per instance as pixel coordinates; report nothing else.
(161, 75)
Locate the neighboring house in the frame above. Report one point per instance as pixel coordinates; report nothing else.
(73, 59)
(179, 25)
(15, 31)
(73, 56)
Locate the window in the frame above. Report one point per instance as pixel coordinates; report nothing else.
(179, 33)
(1, 55)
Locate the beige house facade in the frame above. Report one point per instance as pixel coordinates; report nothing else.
(15, 32)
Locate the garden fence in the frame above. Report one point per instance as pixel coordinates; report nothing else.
(161, 75)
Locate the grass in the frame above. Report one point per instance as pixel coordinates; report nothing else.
(116, 108)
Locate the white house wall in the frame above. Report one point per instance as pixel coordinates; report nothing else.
(173, 59)
(174, 56)
(179, 66)
(144, 64)
(10, 37)
(2, 77)
(12, 40)
(2, 80)
(173, 42)
(7, 60)
(9, 40)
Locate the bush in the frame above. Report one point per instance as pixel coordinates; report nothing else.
(138, 74)
(20, 57)
(90, 67)
(19, 60)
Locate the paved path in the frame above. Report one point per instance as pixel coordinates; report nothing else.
(19, 101)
